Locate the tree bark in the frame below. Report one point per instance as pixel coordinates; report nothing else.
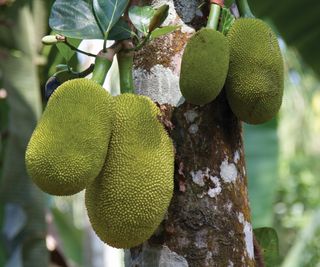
(208, 221)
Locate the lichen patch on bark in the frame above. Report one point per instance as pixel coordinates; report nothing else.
(191, 115)
(247, 231)
(236, 157)
(170, 258)
(160, 84)
(228, 171)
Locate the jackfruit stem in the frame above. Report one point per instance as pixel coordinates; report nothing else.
(125, 63)
(244, 9)
(101, 67)
(213, 19)
(103, 63)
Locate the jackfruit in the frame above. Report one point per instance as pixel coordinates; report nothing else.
(69, 145)
(204, 66)
(255, 80)
(129, 198)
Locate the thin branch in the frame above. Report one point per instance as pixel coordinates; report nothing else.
(64, 40)
(78, 50)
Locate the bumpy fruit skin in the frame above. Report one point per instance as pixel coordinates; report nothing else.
(69, 145)
(204, 66)
(128, 200)
(255, 80)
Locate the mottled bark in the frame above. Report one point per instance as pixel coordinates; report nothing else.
(208, 221)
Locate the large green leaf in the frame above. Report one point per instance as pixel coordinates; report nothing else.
(297, 22)
(108, 12)
(74, 18)
(120, 31)
(141, 17)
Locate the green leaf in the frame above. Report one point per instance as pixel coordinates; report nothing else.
(75, 19)
(72, 238)
(141, 17)
(227, 20)
(269, 244)
(65, 50)
(108, 12)
(120, 31)
(159, 17)
(164, 30)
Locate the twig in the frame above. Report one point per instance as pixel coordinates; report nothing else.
(64, 39)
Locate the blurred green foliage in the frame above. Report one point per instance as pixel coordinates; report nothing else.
(297, 22)
(71, 236)
(284, 170)
(261, 150)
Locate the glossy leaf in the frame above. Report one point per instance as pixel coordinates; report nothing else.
(163, 30)
(120, 31)
(159, 17)
(297, 22)
(108, 12)
(141, 17)
(269, 244)
(74, 18)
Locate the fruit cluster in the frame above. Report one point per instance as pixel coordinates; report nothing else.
(247, 63)
(115, 148)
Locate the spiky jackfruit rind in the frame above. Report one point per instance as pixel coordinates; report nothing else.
(69, 145)
(204, 66)
(128, 200)
(255, 80)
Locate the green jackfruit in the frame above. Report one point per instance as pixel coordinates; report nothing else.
(128, 200)
(255, 80)
(69, 145)
(204, 66)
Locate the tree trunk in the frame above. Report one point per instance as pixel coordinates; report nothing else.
(208, 221)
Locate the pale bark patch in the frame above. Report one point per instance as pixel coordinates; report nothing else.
(228, 171)
(160, 84)
(247, 230)
(170, 258)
